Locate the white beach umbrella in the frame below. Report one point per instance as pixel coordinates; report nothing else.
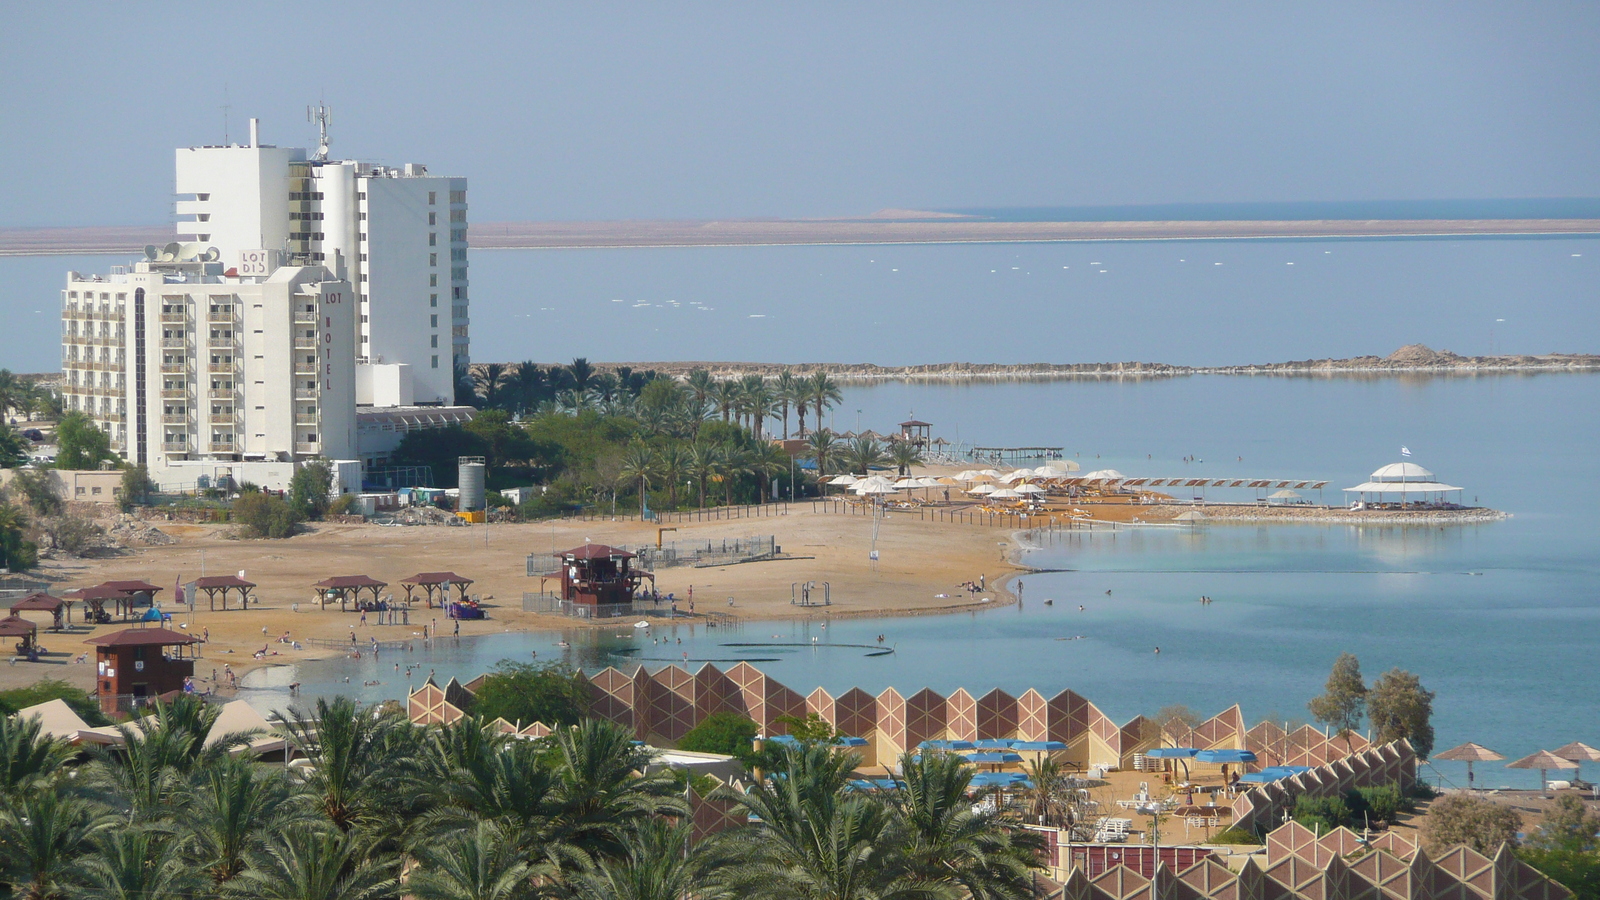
(1104, 475)
(906, 484)
(983, 489)
(1005, 494)
(1030, 489)
(1062, 465)
(1016, 475)
(988, 473)
(929, 482)
(843, 479)
(1283, 495)
(967, 476)
(874, 489)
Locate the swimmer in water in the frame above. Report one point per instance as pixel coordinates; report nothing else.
(1158, 651)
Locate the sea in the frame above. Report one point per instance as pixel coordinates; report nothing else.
(1500, 619)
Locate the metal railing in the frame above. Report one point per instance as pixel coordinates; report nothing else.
(175, 446)
(224, 447)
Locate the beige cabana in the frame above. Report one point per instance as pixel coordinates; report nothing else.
(1469, 753)
(214, 585)
(436, 581)
(1544, 761)
(1578, 753)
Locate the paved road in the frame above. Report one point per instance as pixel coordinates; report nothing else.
(755, 232)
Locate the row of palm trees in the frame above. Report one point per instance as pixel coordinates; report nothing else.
(25, 396)
(753, 399)
(679, 462)
(459, 812)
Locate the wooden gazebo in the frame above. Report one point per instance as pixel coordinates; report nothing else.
(94, 600)
(15, 626)
(436, 581)
(348, 588)
(220, 585)
(42, 603)
(916, 432)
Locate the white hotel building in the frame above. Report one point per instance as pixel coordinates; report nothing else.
(307, 296)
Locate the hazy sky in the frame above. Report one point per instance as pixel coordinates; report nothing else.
(595, 110)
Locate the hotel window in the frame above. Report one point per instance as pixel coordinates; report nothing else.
(433, 218)
(436, 362)
(433, 238)
(433, 280)
(433, 259)
(433, 197)
(433, 321)
(435, 339)
(433, 299)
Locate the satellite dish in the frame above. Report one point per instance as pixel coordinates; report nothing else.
(212, 255)
(171, 250)
(190, 251)
(149, 251)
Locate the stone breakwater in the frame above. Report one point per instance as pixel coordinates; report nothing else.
(1414, 359)
(1242, 514)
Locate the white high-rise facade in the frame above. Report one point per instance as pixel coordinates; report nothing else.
(193, 373)
(401, 232)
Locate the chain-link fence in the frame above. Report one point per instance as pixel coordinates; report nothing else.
(708, 553)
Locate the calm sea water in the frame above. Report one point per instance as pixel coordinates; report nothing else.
(1502, 620)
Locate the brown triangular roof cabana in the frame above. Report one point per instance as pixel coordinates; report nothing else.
(42, 603)
(348, 587)
(595, 551)
(121, 593)
(430, 581)
(222, 584)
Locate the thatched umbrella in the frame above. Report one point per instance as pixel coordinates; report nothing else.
(1544, 761)
(1469, 753)
(1579, 753)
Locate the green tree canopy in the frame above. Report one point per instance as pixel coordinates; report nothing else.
(264, 515)
(311, 489)
(532, 692)
(1400, 708)
(1344, 698)
(82, 445)
(721, 732)
(1481, 824)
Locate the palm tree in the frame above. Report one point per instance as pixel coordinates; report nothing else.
(700, 385)
(862, 453)
(364, 766)
(527, 386)
(701, 465)
(784, 390)
(733, 460)
(231, 810)
(823, 393)
(657, 862)
(307, 863)
(29, 759)
(45, 835)
(580, 373)
(572, 401)
(823, 447)
(1048, 800)
(134, 864)
(815, 840)
(607, 386)
(483, 776)
(638, 464)
(598, 792)
(477, 863)
(671, 463)
(944, 843)
(767, 461)
(725, 396)
(487, 382)
(904, 455)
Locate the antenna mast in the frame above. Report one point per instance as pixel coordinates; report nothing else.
(323, 117)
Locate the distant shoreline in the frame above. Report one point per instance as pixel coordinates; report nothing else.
(1411, 360)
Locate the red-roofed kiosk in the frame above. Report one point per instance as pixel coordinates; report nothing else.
(598, 581)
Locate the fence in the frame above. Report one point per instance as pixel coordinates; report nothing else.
(708, 553)
(968, 516)
(546, 602)
(752, 511)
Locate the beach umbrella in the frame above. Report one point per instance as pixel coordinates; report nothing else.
(843, 479)
(1005, 494)
(1225, 756)
(994, 744)
(1062, 465)
(1030, 489)
(946, 745)
(874, 489)
(992, 757)
(1104, 475)
(983, 489)
(1038, 746)
(1469, 753)
(906, 484)
(1016, 475)
(1577, 752)
(1170, 753)
(930, 482)
(1544, 761)
(988, 473)
(967, 476)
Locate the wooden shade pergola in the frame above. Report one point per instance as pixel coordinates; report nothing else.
(16, 626)
(42, 603)
(347, 588)
(95, 596)
(440, 581)
(215, 585)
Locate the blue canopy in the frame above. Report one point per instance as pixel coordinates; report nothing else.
(1001, 779)
(1038, 746)
(850, 742)
(1170, 753)
(1225, 756)
(993, 756)
(151, 615)
(945, 745)
(787, 740)
(1272, 773)
(874, 784)
(994, 744)
(1258, 777)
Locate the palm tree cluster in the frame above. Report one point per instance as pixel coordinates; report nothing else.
(525, 387)
(380, 808)
(19, 396)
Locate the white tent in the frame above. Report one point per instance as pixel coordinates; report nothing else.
(1405, 479)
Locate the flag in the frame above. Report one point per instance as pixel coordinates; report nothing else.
(177, 590)
(1405, 451)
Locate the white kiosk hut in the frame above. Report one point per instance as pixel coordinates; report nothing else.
(1411, 483)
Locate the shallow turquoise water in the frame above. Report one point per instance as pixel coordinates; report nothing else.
(1501, 619)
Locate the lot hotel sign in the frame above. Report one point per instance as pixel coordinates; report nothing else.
(260, 264)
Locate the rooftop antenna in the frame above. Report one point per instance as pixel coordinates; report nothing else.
(227, 105)
(323, 117)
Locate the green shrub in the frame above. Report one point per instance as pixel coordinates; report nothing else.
(1381, 804)
(1321, 814)
(525, 693)
(1236, 835)
(265, 516)
(53, 689)
(721, 732)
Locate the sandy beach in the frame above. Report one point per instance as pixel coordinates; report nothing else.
(920, 569)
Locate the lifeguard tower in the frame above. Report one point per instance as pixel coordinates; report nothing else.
(598, 581)
(916, 433)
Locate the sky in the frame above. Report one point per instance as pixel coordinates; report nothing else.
(700, 110)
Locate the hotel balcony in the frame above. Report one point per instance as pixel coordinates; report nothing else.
(305, 343)
(301, 317)
(221, 368)
(179, 368)
(303, 447)
(222, 418)
(175, 318)
(174, 393)
(221, 318)
(174, 343)
(224, 447)
(175, 446)
(174, 418)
